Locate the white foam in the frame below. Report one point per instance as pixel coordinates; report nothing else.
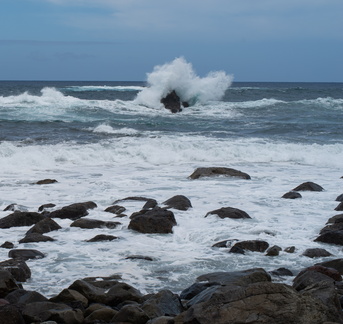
(179, 75)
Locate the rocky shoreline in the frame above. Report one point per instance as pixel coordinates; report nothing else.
(249, 296)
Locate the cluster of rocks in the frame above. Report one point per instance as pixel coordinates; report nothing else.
(250, 296)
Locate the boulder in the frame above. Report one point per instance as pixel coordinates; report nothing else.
(70, 297)
(163, 303)
(316, 253)
(331, 227)
(292, 195)
(336, 219)
(45, 207)
(48, 311)
(46, 181)
(333, 237)
(122, 292)
(281, 272)
(7, 283)
(16, 207)
(130, 314)
(101, 315)
(18, 268)
(73, 211)
(93, 223)
(7, 245)
(335, 264)
(218, 171)
(162, 320)
(229, 212)
(92, 293)
(25, 254)
(261, 302)
(10, 314)
(19, 218)
(22, 297)
(46, 225)
(102, 237)
(253, 245)
(273, 251)
(179, 202)
(115, 209)
(308, 186)
(339, 197)
(339, 207)
(172, 102)
(36, 237)
(157, 220)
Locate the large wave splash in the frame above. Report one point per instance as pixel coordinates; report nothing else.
(179, 75)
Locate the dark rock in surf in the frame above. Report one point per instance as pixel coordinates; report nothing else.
(336, 264)
(336, 219)
(46, 225)
(218, 171)
(115, 209)
(308, 186)
(253, 245)
(16, 207)
(102, 237)
(7, 245)
(139, 257)
(273, 251)
(157, 220)
(93, 223)
(19, 218)
(46, 181)
(172, 102)
(292, 195)
(316, 253)
(7, 283)
(179, 202)
(130, 314)
(339, 198)
(70, 297)
(25, 254)
(73, 211)
(36, 237)
(229, 212)
(333, 237)
(149, 202)
(280, 272)
(45, 207)
(339, 207)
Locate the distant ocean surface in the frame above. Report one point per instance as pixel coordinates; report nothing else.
(103, 141)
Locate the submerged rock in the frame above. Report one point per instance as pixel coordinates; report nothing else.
(229, 212)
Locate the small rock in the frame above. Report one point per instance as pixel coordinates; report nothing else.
(46, 181)
(316, 253)
(229, 212)
(308, 186)
(292, 195)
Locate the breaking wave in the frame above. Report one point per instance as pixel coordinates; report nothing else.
(179, 75)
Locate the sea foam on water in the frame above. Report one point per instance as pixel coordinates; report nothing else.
(179, 75)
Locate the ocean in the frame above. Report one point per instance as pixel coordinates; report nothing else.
(104, 141)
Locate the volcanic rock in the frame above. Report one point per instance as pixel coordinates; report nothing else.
(102, 237)
(18, 268)
(316, 253)
(115, 209)
(218, 171)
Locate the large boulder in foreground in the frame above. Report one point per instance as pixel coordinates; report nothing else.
(218, 171)
(261, 302)
(157, 220)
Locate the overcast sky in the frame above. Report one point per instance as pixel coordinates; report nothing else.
(122, 40)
